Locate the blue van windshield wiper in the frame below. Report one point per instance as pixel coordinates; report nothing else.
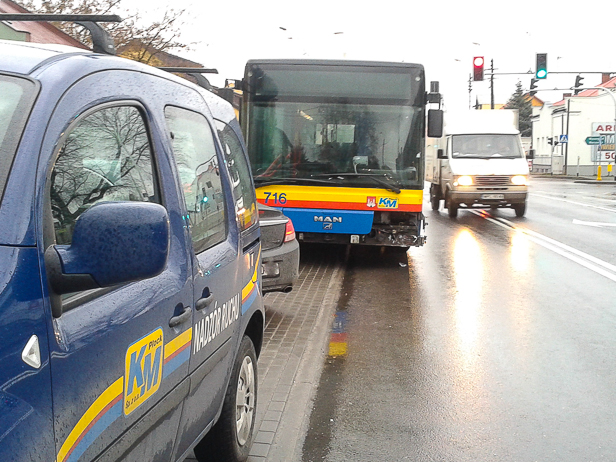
(376, 177)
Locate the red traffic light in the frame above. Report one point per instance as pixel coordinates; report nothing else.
(478, 63)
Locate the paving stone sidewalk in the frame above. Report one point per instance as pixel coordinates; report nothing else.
(296, 333)
(294, 348)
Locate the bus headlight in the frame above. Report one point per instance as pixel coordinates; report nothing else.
(519, 180)
(464, 180)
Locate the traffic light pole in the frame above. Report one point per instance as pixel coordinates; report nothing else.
(491, 84)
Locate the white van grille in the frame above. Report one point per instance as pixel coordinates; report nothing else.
(492, 180)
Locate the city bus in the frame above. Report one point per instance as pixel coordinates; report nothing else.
(338, 146)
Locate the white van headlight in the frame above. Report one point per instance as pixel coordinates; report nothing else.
(464, 180)
(519, 180)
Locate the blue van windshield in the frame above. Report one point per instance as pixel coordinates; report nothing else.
(16, 98)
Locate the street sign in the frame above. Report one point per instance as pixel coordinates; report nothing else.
(593, 140)
(563, 139)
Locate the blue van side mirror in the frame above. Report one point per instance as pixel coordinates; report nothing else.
(113, 243)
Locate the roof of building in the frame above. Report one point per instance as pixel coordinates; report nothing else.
(159, 58)
(611, 83)
(37, 31)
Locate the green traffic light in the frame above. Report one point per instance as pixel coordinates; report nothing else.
(542, 74)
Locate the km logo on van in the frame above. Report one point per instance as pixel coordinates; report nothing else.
(143, 370)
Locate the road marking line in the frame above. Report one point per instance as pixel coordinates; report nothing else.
(574, 202)
(586, 260)
(595, 224)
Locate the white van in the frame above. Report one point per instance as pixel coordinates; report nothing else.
(479, 162)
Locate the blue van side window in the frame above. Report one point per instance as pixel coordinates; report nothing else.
(195, 156)
(105, 157)
(243, 190)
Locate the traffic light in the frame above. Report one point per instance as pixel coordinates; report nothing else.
(533, 85)
(478, 62)
(541, 71)
(578, 84)
(550, 140)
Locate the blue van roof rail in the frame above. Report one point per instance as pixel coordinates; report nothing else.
(196, 73)
(101, 40)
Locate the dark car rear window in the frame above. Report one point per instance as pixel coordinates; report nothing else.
(16, 98)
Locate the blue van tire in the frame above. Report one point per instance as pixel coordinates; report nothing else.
(231, 438)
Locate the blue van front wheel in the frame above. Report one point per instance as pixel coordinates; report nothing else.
(230, 439)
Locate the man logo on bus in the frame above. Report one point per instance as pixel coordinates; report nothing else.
(327, 219)
(388, 203)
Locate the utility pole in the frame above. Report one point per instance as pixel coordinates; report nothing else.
(470, 89)
(491, 84)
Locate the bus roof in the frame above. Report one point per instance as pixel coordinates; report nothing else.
(331, 62)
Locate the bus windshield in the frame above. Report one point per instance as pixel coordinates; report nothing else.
(336, 123)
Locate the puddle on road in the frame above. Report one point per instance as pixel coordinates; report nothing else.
(338, 339)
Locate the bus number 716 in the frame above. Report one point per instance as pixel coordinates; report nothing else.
(278, 198)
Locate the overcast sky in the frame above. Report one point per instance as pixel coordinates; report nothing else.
(443, 36)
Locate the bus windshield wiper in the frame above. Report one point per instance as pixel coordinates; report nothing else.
(376, 177)
(268, 181)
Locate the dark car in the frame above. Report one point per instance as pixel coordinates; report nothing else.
(280, 262)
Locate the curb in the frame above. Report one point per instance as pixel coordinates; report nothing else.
(611, 182)
(289, 439)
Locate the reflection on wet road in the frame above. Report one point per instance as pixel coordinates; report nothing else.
(495, 343)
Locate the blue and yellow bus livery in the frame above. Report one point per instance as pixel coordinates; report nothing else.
(338, 146)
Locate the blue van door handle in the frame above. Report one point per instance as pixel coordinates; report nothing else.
(204, 302)
(181, 318)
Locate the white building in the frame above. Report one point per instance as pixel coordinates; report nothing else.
(589, 117)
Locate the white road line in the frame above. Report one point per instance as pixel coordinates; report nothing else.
(595, 224)
(582, 258)
(574, 202)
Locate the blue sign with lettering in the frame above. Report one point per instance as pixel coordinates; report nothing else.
(330, 221)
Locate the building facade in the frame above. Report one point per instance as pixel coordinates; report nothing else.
(35, 32)
(576, 135)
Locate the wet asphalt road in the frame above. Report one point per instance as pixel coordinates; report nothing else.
(497, 342)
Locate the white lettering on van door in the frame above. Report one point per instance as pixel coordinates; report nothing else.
(217, 321)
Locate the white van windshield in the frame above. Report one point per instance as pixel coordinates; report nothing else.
(486, 146)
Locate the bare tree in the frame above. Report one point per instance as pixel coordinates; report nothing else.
(143, 43)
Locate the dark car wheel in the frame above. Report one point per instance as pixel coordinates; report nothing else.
(230, 439)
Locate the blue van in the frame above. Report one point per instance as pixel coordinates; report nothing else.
(131, 316)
